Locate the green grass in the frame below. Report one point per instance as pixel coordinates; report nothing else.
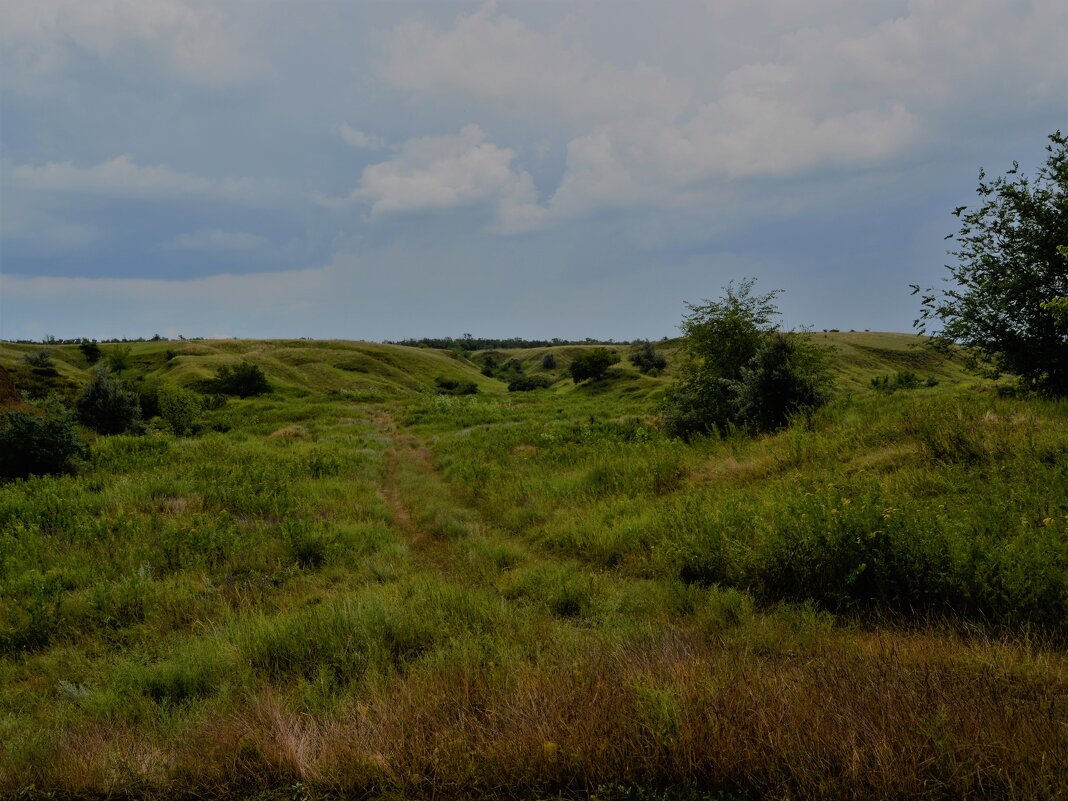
(352, 586)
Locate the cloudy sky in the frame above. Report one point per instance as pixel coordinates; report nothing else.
(384, 169)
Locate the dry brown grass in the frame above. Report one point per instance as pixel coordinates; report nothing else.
(890, 718)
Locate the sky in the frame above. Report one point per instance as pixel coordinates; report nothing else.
(384, 170)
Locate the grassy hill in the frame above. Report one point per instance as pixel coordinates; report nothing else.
(377, 371)
(354, 586)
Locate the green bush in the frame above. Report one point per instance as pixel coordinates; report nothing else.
(782, 379)
(902, 379)
(740, 371)
(648, 360)
(41, 362)
(179, 407)
(119, 358)
(592, 365)
(38, 443)
(526, 383)
(244, 380)
(548, 362)
(106, 405)
(91, 351)
(450, 386)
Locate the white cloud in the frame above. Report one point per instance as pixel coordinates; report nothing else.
(122, 177)
(216, 239)
(445, 172)
(360, 139)
(849, 87)
(193, 40)
(499, 61)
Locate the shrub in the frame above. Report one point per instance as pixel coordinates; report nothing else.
(41, 362)
(592, 365)
(783, 377)
(526, 383)
(450, 386)
(119, 358)
(106, 405)
(179, 407)
(91, 351)
(548, 362)
(39, 442)
(244, 380)
(902, 379)
(648, 360)
(740, 372)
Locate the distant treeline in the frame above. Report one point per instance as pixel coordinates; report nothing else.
(51, 340)
(468, 342)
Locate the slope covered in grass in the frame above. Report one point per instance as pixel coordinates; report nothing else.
(354, 587)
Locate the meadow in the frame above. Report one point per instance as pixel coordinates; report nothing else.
(355, 587)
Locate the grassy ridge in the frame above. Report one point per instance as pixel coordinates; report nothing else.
(354, 587)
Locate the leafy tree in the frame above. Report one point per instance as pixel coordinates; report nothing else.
(784, 377)
(105, 404)
(179, 407)
(548, 362)
(592, 365)
(91, 351)
(527, 383)
(244, 380)
(119, 358)
(738, 370)
(1010, 276)
(39, 442)
(648, 360)
(450, 386)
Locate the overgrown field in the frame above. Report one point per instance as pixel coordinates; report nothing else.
(355, 587)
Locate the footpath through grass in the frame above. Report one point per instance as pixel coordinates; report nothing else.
(330, 595)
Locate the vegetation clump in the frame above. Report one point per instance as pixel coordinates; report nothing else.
(592, 365)
(648, 359)
(902, 379)
(91, 351)
(740, 371)
(38, 442)
(245, 380)
(179, 407)
(1010, 278)
(528, 383)
(41, 362)
(451, 386)
(106, 405)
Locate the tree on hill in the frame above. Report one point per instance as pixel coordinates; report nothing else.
(592, 365)
(105, 404)
(38, 442)
(739, 371)
(244, 380)
(1010, 278)
(648, 359)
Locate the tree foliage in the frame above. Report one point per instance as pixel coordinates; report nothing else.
(105, 404)
(739, 371)
(1003, 307)
(592, 365)
(244, 380)
(91, 351)
(179, 407)
(648, 359)
(39, 442)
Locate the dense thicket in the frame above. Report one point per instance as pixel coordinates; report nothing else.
(106, 404)
(739, 371)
